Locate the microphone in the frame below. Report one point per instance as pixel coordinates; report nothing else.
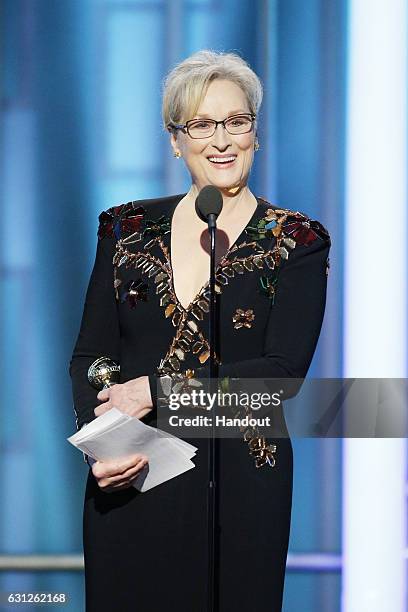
(208, 205)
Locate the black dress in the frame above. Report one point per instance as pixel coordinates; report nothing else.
(147, 552)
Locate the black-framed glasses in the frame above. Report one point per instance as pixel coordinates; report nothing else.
(205, 128)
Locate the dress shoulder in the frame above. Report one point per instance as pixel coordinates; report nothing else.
(125, 219)
(297, 227)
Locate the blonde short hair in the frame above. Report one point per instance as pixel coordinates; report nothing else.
(186, 84)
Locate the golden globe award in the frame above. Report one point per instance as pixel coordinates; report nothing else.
(103, 373)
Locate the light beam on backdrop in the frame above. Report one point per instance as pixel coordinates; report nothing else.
(374, 527)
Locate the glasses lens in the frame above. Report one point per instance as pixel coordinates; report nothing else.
(201, 128)
(239, 124)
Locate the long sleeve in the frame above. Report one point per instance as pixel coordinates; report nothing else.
(295, 319)
(99, 332)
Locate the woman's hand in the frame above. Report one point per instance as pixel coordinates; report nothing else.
(117, 474)
(132, 397)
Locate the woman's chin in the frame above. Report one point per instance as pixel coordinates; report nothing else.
(227, 184)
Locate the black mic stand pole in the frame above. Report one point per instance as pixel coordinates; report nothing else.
(212, 449)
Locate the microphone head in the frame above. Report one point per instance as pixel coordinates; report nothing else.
(208, 202)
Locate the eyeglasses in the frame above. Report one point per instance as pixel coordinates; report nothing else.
(205, 128)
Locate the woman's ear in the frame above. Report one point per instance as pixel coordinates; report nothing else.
(174, 144)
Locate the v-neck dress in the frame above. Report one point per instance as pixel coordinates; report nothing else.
(147, 552)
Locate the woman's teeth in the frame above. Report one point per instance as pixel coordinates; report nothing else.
(222, 160)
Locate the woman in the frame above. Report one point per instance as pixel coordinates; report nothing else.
(147, 309)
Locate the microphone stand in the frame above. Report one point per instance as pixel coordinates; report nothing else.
(212, 449)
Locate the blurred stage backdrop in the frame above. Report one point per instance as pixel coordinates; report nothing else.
(80, 131)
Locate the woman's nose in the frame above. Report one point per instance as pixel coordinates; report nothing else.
(221, 138)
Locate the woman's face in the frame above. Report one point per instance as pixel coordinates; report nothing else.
(223, 99)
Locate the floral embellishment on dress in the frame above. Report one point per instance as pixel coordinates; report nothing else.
(179, 382)
(243, 318)
(304, 231)
(327, 266)
(134, 291)
(273, 222)
(271, 225)
(268, 286)
(116, 282)
(156, 227)
(107, 221)
(267, 227)
(301, 232)
(118, 220)
(261, 450)
(132, 222)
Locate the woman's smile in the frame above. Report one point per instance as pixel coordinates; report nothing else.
(222, 161)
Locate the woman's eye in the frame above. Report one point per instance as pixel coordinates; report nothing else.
(201, 125)
(238, 121)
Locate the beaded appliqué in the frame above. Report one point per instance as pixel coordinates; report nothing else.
(134, 291)
(268, 285)
(119, 220)
(243, 318)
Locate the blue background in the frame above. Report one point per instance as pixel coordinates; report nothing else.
(81, 131)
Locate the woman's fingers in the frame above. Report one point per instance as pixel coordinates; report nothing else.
(131, 472)
(112, 475)
(102, 408)
(126, 480)
(108, 487)
(115, 467)
(104, 394)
